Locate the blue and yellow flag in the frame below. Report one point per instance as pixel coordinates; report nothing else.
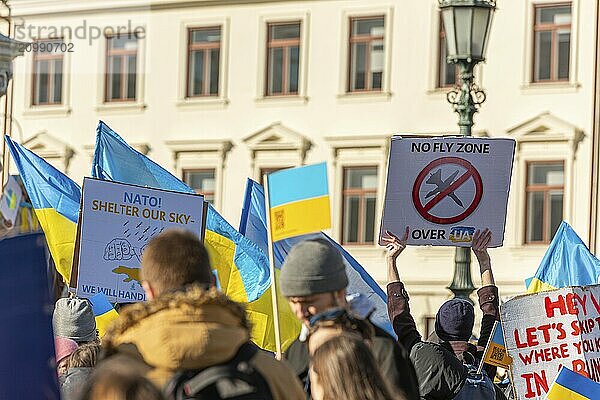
(495, 352)
(570, 385)
(567, 262)
(104, 312)
(55, 199)
(299, 201)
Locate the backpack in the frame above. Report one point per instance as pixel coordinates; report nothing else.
(233, 380)
(478, 386)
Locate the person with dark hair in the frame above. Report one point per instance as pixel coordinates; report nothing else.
(119, 383)
(79, 367)
(440, 366)
(343, 367)
(313, 278)
(187, 324)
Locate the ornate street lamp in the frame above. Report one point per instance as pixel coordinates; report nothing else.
(467, 26)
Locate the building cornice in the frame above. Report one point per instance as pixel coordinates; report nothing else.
(39, 8)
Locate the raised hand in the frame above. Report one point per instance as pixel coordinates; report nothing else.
(480, 243)
(393, 244)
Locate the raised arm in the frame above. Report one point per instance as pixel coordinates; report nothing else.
(398, 307)
(481, 241)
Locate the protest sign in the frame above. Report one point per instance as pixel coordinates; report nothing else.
(27, 363)
(11, 199)
(547, 330)
(117, 221)
(445, 188)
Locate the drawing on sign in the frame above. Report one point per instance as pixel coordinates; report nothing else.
(442, 189)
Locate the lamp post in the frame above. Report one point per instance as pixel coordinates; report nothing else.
(467, 26)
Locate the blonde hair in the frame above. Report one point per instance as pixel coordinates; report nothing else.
(120, 384)
(346, 369)
(86, 355)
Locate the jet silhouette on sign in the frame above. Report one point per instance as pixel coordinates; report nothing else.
(436, 179)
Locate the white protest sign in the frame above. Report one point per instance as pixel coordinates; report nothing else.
(445, 188)
(11, 200)
(547, 330)
(117, 221)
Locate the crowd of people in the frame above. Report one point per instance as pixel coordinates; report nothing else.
(190, 341)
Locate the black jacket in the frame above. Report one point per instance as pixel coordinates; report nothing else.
(393, 359)
(439, 367)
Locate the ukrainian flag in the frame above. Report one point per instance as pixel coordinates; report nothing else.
(299, 201)
(570, 385)
(242, 269)
(55, 199)
(495, 352)
(567, 262)
(104, 312)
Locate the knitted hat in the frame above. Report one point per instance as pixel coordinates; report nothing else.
(74, 319)
(454, 320)
(63, 348)
(312, 267)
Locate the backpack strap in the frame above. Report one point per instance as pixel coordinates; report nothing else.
(239, 367)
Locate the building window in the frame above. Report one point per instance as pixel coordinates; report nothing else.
(359, 196)
(544, 191)
(204, 56)
(367, 56)
(202, 181)
(447, 73)
(552, 42)
(47, 72)
(121, 67)
(283, 58)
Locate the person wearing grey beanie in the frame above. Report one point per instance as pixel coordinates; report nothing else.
(73, 318)
(313, 278)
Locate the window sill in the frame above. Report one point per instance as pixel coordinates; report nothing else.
(360, 97)
(202, 102)
(439, 91)
(284, 100)
(550, 87)
(47, 111)
(121, 107)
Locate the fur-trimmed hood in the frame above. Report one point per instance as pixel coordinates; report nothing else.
(187, 329)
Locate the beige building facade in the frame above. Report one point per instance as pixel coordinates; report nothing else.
(218, 91)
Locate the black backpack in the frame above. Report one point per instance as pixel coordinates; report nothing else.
(233, 380)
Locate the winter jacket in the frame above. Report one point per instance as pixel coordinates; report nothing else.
(72, 382)
(439, 366)
(393, 359)
(190, 329)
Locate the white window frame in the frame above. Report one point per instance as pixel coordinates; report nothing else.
(201, 102)
(264, 20)
(104, 107)
(385, 93)
(528, 85)
(202, 154)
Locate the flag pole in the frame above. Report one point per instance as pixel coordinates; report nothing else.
(274, 301)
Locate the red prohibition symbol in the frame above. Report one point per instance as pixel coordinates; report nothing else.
(471, 173)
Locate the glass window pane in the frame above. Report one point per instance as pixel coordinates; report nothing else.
(360, 178)
(368, 26)
(564, 49)
(351, 212)
(556, 211)
(206, 35)
(42, 81)
(57, 89)
(546, 174)
(196, 72)
(201, 181)
(554, 15)
(359, 75)
(284, 31)
(214, 71)
(131, 76)
(377, 61)
(124, 42)
(115, 78)
(543, 55)
(275, 70)
(370, 219)
(535, 216)
(294, 68)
